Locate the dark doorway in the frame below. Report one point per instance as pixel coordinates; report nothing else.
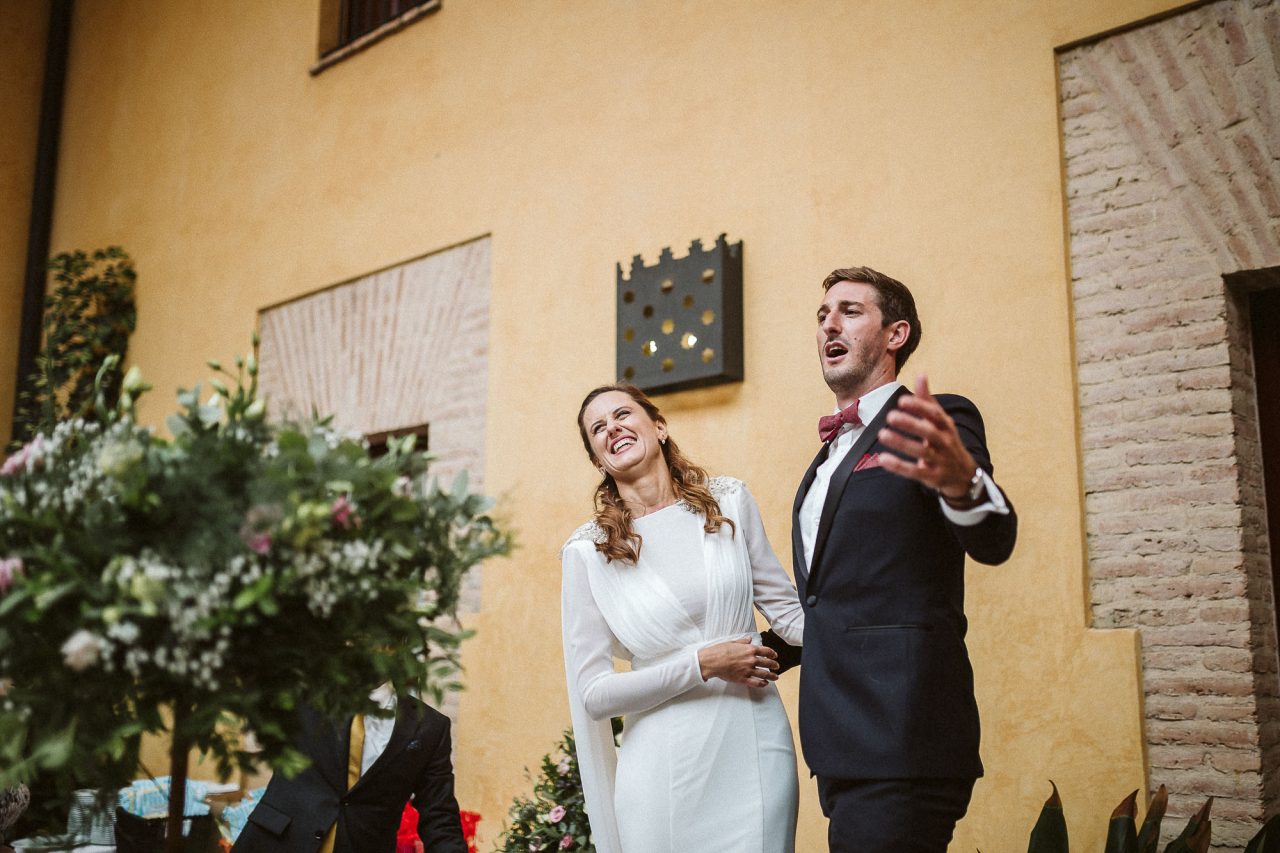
(1264, 321)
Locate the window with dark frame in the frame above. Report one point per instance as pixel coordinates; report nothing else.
(364, 16)
(349, 26)
(378, 440)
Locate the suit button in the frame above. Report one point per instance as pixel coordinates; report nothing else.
(319, 835)
(811, 600)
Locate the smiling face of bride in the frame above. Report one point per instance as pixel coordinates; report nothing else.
(623, 438)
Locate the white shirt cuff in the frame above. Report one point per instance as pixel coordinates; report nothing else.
(995, 502)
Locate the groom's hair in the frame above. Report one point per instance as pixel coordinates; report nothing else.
(896, 303)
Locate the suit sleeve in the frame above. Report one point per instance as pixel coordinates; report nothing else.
(991, 540)
(439, 824)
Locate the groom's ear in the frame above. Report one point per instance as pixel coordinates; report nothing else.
(899, 335)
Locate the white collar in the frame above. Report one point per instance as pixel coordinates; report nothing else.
(385, 696)
(870, 403)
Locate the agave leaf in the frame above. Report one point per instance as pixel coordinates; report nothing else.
(1149, 835)
(1049, 835)
(1195, 835)
(1122, 832)
(1268, 838)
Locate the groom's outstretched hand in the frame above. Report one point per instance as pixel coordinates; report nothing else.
(739, 661)
(920, 429)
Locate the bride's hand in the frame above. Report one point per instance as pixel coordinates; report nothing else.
(739, 661)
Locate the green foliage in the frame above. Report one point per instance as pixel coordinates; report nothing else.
(224, 575)
(555, 817)
(1149, 835)
(1122, 832)
(1049, 835)
(88, 316)
(1268, 838)
(1050, 832)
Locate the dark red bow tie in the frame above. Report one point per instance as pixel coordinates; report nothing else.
(829, 426)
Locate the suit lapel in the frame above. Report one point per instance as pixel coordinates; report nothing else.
(797, 542)
(840, 479)
(401, 733)
(332, 745)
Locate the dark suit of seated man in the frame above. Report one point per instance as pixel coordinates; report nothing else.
(297, 815)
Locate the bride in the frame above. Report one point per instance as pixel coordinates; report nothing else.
(665, 576)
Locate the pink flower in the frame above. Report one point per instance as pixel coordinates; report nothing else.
(18, 461)
(556, 815)
(343, 513)
(566, 842)
(563, 767)
(10, 570)
(260, 543)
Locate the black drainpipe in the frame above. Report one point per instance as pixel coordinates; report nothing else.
(41, 226)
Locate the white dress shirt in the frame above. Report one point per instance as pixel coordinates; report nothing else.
(868, 407)
(377, 730)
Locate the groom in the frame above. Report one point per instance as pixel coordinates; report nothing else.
(899, 493)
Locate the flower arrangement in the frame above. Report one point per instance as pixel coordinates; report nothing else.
(554, 818)
(214, 580)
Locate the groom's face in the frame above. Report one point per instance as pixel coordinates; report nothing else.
(853, 342)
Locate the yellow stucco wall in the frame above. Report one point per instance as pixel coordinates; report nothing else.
(918, 138)
(22, 37)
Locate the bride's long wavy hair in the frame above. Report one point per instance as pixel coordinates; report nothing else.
(690, 480)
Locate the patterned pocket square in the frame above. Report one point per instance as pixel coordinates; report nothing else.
(868, 460)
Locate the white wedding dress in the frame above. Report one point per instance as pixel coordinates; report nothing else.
(703, 766)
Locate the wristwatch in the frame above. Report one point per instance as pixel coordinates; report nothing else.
(972, 497)
(976, 486)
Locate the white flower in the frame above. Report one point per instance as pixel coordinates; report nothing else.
(80, 651)
(125, 632)
(429, 598)
(118, 457)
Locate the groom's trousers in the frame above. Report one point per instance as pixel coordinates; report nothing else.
(892, 815)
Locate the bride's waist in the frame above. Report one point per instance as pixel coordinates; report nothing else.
(639, 662)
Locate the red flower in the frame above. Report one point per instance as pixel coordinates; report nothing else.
(469, 821)
(407, 837)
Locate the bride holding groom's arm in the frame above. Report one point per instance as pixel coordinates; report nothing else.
(666, 576)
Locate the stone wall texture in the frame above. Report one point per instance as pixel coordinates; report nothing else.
(1172, 149)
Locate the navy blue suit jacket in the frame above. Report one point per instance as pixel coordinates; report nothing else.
(294, 815)
(886, 689)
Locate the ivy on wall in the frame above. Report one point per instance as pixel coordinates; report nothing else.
(89, 315)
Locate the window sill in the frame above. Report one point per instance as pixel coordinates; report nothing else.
(337, 55)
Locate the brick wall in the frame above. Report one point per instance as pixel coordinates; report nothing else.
(398, 348)
(1172, 139)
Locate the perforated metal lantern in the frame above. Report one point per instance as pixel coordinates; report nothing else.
(680, 320)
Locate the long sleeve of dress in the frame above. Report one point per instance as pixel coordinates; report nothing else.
(589, 649)
(593, 738)
(775, 595)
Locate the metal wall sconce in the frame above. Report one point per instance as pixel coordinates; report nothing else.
(680, 320)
